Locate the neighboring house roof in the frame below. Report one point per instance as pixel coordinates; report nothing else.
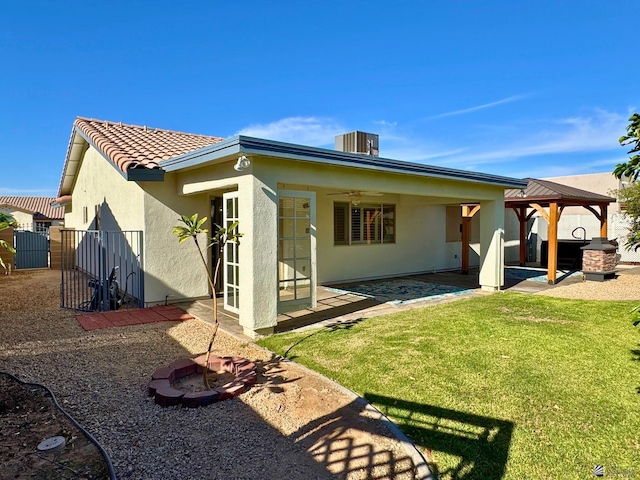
(544, 192)
(40, 207)
(132, 149)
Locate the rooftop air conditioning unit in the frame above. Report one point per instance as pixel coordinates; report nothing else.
(358, 142)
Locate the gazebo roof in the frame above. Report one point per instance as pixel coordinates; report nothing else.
(544, 192)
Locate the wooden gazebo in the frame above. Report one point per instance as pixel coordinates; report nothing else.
(549, 199)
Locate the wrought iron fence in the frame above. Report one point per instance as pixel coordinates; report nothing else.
(101, 270)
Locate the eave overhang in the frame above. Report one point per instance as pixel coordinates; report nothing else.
(78, 145)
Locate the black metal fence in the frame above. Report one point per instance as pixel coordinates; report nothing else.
(101, 270)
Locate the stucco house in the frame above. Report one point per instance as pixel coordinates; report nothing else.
(32, 213)
(309, 216)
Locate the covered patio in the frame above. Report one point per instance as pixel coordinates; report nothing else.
(346, 303)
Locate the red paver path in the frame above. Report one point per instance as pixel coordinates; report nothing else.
(122, 318)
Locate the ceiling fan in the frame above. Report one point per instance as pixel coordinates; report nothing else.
(355, 196)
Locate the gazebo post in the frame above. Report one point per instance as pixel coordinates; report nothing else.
(522, 217)
(468, 211)
(552, 261)
(603, 220)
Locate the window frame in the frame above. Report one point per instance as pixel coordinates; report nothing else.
(384, 229)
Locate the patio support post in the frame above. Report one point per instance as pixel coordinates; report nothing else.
(492, 245)
(552, 265)
(258, 218)
(468, 211)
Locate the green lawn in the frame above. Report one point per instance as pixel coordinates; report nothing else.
(504, 386)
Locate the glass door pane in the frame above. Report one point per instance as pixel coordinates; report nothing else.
(295, 250)
(231, 255)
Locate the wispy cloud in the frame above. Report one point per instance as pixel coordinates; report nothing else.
(17, 192)
(564, 169)
(384, 123)
(598, 132)
(313, 131)
(484, 106)
(417, 153)
(537, 148)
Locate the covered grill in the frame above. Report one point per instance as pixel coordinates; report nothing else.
(599, 259)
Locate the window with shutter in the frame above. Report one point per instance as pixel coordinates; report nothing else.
(363, 224)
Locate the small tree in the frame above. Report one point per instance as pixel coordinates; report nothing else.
(6, 221)
(629, 197)
(191, 229)
(631, 168)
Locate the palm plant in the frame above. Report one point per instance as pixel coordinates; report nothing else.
(191, 229)
(6, 221)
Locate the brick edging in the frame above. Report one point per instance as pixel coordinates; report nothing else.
(160, 387)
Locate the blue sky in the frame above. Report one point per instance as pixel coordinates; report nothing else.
(539, 88)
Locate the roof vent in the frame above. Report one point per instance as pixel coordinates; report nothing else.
(358, 142)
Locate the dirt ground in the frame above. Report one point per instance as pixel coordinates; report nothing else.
(27, 417)
(100, 378)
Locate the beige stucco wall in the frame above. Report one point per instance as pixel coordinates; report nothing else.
(600, 183)
(99, 184)
(152, 207)
(257, 190)
(172, 270)
(23, 218)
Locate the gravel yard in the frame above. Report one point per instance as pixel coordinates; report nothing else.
(292, 424)
(626, 286)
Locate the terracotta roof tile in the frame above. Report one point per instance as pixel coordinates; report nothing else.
(132, 146)
(39, 206)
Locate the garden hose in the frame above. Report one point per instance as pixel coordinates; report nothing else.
(112, 472)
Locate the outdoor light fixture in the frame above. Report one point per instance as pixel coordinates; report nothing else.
(356, 198)
(242, 164)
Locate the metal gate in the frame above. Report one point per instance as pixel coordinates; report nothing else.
(101, 270)
(32, 249)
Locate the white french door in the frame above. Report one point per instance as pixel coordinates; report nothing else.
(296, 250)
(231, 263)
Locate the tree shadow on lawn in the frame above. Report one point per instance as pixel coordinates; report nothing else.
(341, 325)
(481, 443)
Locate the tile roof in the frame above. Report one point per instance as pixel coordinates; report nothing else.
(133, 147)
(39, 206)
(544, 190)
